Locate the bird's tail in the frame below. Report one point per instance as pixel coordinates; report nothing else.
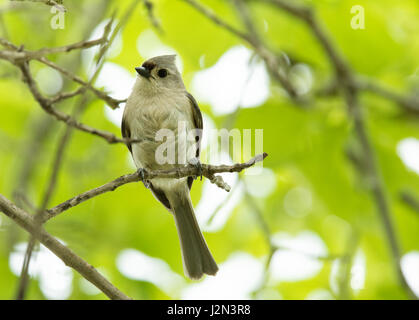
(197, 258)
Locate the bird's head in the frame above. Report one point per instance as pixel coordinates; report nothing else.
(160, 72)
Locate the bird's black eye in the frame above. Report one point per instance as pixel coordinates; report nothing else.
(162, 73)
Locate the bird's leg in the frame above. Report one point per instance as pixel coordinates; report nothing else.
(197, 164)
(142, 172)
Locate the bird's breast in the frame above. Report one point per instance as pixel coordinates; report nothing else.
(153, 119)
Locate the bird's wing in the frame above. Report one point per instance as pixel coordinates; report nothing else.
(197, 118)
(126, 132)
(198, 122)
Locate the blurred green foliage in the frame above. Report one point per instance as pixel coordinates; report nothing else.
(306, 147)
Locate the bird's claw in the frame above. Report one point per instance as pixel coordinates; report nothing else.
(142, 172)
(198, 165)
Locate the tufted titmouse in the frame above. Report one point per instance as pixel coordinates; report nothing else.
(159, 101)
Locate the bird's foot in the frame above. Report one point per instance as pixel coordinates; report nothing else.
(198, 165)
(142, 172)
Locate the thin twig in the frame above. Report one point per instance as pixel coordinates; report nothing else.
(149, 6)
(24, 273)
(410, 103)
(273, 248)
(344, 273)
(61, 147)
(409, 199)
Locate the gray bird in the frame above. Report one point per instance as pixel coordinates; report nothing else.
(158, 101)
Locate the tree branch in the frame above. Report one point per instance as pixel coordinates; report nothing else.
(16, 54)
(409, 103)
(78, 109)
(271, 60)
(409, 199)
(113, 103)
(307, 15)
(348, 85)
(149, 6)
(20, 58)
(61, 116)
(58, 159)
(26, 221)
(58, 4)
(208, 171)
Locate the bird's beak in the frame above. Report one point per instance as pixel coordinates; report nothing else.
(143, 72)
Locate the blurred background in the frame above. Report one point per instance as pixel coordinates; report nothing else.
(306, 227)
